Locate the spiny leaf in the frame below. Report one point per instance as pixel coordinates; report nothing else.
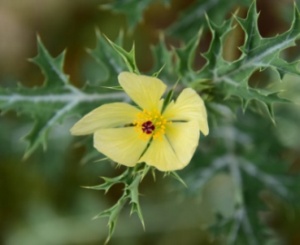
(163, 58)
(51, 103)
(186, 56)
(143, 172)
(134, 198)
(51, 67)
(128, 57)
(177, 177)
(131, 179)
(266, 98)
(107, 57)
(113, 213)
(261, 52)
(109, 182)
(214, 55)
(220, 78)
(231, 78)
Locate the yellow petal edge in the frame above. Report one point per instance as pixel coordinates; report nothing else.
(106, 116)
(122, 145)
(188, 106)
(175, 150)
(145, 91)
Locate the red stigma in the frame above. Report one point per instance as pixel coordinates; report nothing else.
(148, 127)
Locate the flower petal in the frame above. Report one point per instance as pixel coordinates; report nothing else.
(122, 145)
(145, 91)
(175, 150)
(188, 106)
(184, 139)
(106, 116)
(161, 155)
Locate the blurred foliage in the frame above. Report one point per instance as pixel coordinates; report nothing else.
(243, 182)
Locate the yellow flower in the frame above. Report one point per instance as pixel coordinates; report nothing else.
(129, 135)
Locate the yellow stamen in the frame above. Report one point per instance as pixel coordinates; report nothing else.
(150, 124)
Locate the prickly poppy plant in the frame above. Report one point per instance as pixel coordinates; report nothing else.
(214, 104)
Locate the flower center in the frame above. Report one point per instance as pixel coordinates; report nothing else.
(148, 127)
(150, 123)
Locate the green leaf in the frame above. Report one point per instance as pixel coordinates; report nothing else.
(266, 98)
(107, 57)
(134, 197)
(109, 182)
(128, 57)
(113, 213)
(230, 79)
(163, 60)
(261, 52)
(214, 56)
(51, 67)
(177, 177)
(221, 79)
(186, 57)
(131, 179)
(53, 102)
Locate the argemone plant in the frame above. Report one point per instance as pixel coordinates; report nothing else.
(155, 121)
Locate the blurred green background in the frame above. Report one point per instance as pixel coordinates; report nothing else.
(41, 198)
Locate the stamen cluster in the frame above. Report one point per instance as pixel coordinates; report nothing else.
(150, 123)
